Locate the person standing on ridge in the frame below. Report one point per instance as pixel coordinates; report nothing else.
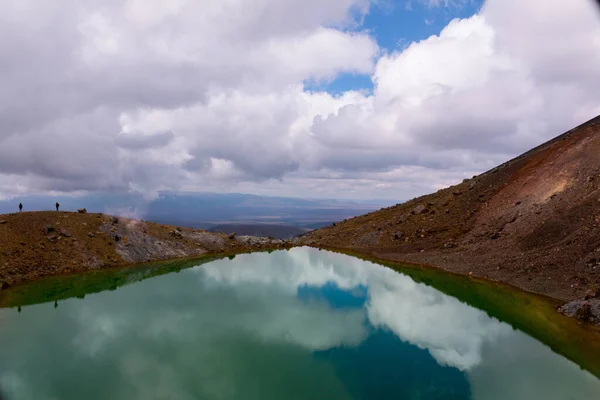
(20, 207)
(57, 205)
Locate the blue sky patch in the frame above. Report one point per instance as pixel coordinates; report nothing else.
(342, 83)
(395, 26)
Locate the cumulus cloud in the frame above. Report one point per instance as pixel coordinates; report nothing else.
(147, 96)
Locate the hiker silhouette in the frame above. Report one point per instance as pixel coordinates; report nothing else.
(57, 205)
(20, 207)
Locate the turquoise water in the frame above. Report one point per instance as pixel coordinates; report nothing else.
(298, 324)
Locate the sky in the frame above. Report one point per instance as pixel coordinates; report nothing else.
(337, 99)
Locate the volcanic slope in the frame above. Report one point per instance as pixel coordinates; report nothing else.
(36, 244)
(533, 222)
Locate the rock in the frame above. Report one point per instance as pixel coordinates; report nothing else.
(232, 236)
(82, 211)
(115, 220)
(117, 238)
(400, 219)
(90, 234)
(398, 235)
(65, 233)
(420, 209)
(48, 229)
(2, 222)
(457, 193)
(52, 238)
(176, 233)
(450, 245)
(583, 310)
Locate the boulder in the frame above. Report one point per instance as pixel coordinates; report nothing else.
(64, 232)
(2, 222)
(420, 209)
(48, 229)
(176, 233)
(583, 310)
(398, 235)
(232, 235)
(115, 220)
(82, 211)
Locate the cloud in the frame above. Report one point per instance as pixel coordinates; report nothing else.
(121, 95)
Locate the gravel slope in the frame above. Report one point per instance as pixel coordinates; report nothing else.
(533, 222)
(35, 244)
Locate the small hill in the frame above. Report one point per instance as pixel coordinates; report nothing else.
(35, 244)
(261, 230)
(533, 222)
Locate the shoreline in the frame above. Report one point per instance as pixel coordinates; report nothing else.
(39, 244)
(531, 313)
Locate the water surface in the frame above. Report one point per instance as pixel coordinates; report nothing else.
(298, 324)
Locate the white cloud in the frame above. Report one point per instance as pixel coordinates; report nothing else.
(120, 95)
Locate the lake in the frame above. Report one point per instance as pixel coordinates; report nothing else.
(296, 324)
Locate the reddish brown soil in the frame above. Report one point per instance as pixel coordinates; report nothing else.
(35, 244)
(533, 222)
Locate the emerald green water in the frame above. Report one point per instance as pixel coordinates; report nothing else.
(297, 324)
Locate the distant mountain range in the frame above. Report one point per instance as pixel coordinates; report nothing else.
(206, 210)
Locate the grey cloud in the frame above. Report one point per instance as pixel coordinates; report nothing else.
(227, 84)
(63, 61)
(133, 142)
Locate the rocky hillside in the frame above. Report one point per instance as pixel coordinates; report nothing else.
(34, 244)
(533, 222)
